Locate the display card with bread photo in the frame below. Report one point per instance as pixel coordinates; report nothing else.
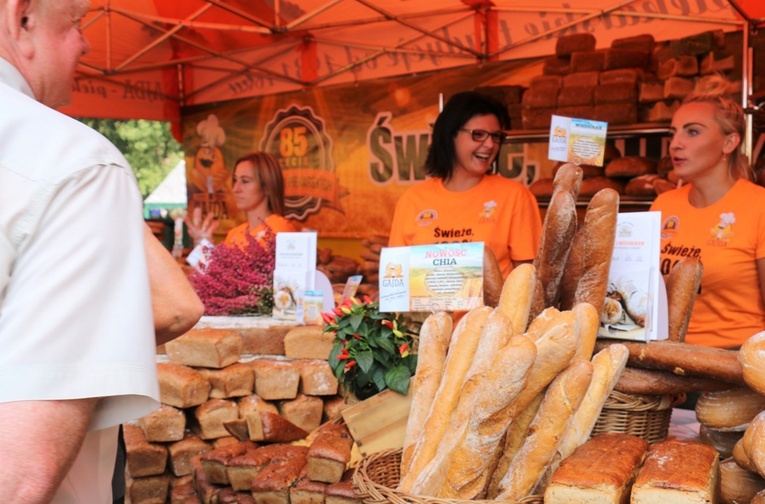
(294, 271)
(636, 301)
(580, 141)
(430, 278)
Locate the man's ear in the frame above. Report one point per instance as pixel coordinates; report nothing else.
(16, 17)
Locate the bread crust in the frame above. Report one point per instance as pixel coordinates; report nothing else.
(655, 382)
(683, 284)
(752, 360)
(561, 400)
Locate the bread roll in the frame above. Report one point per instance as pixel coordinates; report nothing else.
(683, 359)
(740, 456)
(542, 188)
(466, 474)
(653, 382)
(492, 278)
(630, 166)
(677, 471)
(458, 360)
(752, 359)
(599, 233)
(600, 471)
(557, 234)
(515, 301)
(435, 334)
(561, 401)
(730, 409)
(683, 284)
(592, 186)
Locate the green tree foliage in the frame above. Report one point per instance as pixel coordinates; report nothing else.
(148, 146)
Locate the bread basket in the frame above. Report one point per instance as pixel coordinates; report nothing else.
(644, 416)
(377, 475)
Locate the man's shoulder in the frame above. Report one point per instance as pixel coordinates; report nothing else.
(44, 143)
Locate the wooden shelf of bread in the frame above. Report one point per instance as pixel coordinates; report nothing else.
(504, 403)
(239, 427)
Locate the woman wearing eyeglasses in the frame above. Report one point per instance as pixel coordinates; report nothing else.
(461, 201)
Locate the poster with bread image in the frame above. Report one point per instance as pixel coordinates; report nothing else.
(635, 307)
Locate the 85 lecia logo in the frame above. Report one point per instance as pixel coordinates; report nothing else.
(297, 138)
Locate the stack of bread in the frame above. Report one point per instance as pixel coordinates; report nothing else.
(370, 268)
(221, 404)
(635, 80)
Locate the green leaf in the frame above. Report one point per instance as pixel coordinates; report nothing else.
(387, 345)
(378, 377)
(333, 361)
(397, 378)
(356, 319)
(365, 360)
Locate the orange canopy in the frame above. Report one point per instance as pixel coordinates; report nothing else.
(150, 58)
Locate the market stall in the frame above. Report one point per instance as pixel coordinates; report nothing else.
(349, 118)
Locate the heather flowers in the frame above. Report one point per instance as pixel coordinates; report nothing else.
(238, 281)
(371, 350)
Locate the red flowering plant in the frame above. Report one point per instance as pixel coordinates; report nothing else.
(238, 281)
(371, 351)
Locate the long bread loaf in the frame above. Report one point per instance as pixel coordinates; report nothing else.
(435, 334)
(653, 382)
(495, 336)
(683, 359)
(586, 327)
(561, 401)
(466, 471)
(458, 360)
(516, 298)
(492, 278)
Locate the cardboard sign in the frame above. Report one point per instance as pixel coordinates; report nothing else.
(442, 277)
(579, 141)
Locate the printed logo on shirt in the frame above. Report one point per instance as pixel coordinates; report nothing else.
(426, 217)
(669, 228)
(489, 212)
(721, 233)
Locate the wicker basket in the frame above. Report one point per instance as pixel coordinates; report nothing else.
(376, 478)
(640, 415)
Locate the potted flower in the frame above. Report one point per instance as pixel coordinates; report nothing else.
(371, 351)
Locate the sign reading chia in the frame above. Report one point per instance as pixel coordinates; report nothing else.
(296, 137)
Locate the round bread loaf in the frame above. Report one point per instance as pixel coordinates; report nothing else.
(737, 484)
(542, 187)
(753, 443)
(630, 166)
(752, 359)
(730, 409)
(665, 165)
(642, 185)
(720, 440)
(759, 498)
(590, 186)
(742, 459)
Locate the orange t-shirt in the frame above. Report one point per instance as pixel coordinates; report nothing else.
(499, 212)
(277, 223)
(728, 236)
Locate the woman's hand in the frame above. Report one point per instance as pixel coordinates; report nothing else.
(198, 229)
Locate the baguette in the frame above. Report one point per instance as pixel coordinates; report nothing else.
(683, 284)
(598, 235)
(557, 234)
(683, 359)
(573, 271)
(466, 474)
(586, 328)
(492, 278)
(568, 178)
(561, 401)
(539, 325)
(607, 365)
(433, 346)
(458, 360)
(517, 291)
(653, 382)
(493, 338)
(516, 433)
